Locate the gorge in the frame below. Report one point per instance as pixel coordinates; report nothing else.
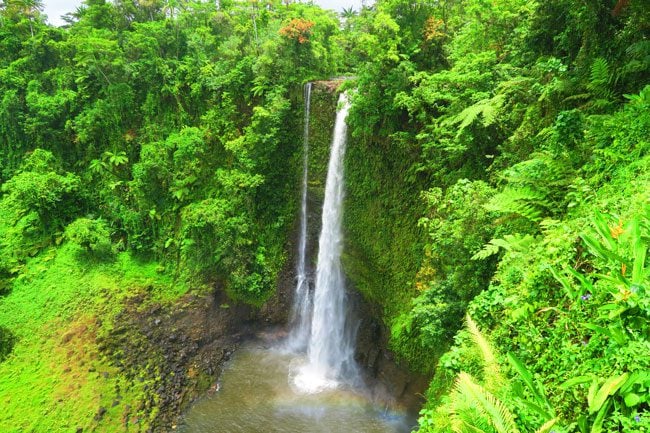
(309, 380)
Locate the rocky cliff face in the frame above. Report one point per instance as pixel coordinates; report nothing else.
(173, 353)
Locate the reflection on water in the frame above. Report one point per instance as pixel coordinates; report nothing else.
(256, 395)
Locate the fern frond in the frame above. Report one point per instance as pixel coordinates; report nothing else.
(599, 81)
(468, 115)
(491, 109)
(599, 73)
(546, 427)
(522, 201)
(487, 108)
(492, 371)
(639, 55)
(543, 166)
(485, 404)
(508, 243)
(463, 426)
(488, 250)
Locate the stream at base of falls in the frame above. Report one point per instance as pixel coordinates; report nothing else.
(256, 394)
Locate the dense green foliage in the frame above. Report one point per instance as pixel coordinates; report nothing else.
(161, 135)
(497, 175)
(173, 123)
(523, 129)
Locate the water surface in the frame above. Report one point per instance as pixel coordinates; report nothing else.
(256, 394)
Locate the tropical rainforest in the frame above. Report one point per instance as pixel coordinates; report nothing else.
(497, 213)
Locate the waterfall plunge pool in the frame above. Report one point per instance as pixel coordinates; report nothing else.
(256, 394)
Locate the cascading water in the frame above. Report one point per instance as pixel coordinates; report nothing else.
(331, 340)
(302, 305)
(254, 394)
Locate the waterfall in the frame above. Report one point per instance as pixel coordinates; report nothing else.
(302, 303)
(331, 341)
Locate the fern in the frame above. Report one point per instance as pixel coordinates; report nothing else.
(488, 250)
(545, 170)
(491, 369)
(599, 76)
(535, 187)
(525, 202)
(547, 426)
(468, 397)
(599, 81)
(639, 53)
(487, 108)
(508, 243)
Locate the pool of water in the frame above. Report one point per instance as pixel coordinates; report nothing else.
(256, 394)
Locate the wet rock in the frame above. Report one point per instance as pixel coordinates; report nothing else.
(380, 364)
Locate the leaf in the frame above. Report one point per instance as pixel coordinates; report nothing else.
(491, 366)
(586, 284)
(582, 424)
(547, 426)
(489, 406)
(509, 243)
(614, 333)
(576, 381)
(638, 377)
(639, 251)
(488, 250)
(487, 108)
(565, 283)
(597, 426)
(597, 249)
(543, 407)
(523, 201)
(592, 392)
(608, 388)
(632, 400)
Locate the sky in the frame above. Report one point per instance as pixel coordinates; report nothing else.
(55, 8)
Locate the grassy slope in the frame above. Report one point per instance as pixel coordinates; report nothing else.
(55, 379)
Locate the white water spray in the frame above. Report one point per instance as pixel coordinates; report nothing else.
(331, 343)
(302, 304)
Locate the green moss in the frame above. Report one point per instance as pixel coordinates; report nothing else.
(383, 240)
(55, 379)
(321, 126)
